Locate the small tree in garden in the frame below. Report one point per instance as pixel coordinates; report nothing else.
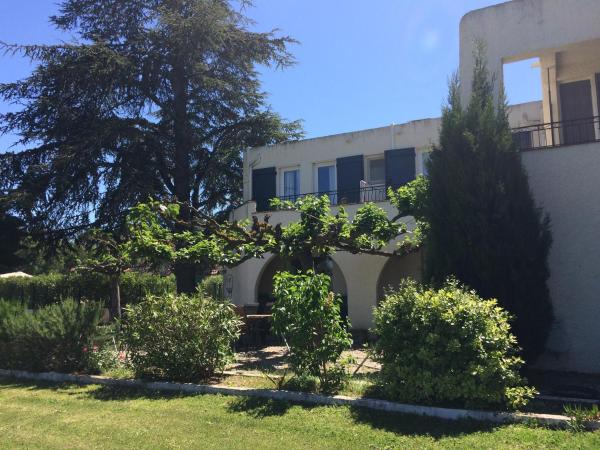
(307, 315)
(448, 346)
(484, 226)
(107, 256)
(316, 235)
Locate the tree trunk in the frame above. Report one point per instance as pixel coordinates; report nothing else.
(115, 297)
(185, 273)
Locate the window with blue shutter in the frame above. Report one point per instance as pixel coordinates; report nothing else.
(326, 182)
(399, 167)
(264, 187)
(350, 172)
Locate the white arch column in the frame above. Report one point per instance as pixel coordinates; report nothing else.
(361, 273)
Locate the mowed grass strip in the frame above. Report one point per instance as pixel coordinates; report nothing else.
(70, 416)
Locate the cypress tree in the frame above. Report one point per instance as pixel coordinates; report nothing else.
(485, 228)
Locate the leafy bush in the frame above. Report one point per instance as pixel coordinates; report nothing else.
(580, 417)
(44, 290)
(213, 286)
(308, 316)
(180, 337)
(105, 355)
(447, 345)
(57, 337)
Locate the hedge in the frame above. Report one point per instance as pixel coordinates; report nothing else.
(57, 337)
(43, 290)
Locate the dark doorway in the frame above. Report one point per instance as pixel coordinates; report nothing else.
(577, 112)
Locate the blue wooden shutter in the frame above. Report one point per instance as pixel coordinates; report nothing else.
(264, 187)
(399, 167)
(350, 172)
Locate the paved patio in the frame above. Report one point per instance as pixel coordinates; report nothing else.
(273, 359)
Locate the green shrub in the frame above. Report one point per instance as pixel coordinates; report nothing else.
(447, 346)
(179, 337)
(57, 337)
(44, 290)
(308, 316)
(213, 286)
(580, 417)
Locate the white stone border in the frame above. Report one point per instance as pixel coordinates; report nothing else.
(300, 397)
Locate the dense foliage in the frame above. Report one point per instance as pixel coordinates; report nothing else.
(308, 316)
(180, 337)
(212, 286)
(44, 290)
(317, 234)
(447, 346)
(484, 227)
(12, 236)
(148, 98)
(57, 337)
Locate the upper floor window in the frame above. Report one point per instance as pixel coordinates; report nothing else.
(325, 178)
(291, 184)
(376, 171)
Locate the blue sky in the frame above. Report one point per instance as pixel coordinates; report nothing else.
(360, 64)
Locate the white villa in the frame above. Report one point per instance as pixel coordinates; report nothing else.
(559, 139)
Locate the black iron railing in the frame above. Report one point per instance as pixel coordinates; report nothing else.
(376, 193)
(557, 134)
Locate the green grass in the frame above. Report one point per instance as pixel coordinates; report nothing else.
(68, 416)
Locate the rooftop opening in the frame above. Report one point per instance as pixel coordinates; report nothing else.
(522, 81)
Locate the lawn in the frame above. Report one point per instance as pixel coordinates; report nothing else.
(68, 416)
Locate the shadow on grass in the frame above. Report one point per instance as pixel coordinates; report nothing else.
(97, 392)
(413, 425)
(14, 383)
(400, 424)
(127, 393)
(261, 407)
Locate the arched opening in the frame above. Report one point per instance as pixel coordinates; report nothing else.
(397, 269)
(264, 284)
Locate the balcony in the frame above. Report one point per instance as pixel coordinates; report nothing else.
(557, 134)
(374, 193)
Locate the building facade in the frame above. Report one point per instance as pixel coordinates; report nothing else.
(559, 138)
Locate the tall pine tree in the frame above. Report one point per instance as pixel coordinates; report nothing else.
(153, 98)
(485, 228)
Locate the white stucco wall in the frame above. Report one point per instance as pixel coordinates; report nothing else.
(525, 114)
(305, 154)
(522, 29)
(565, 184)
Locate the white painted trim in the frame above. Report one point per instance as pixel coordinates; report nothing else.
(301, 397)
